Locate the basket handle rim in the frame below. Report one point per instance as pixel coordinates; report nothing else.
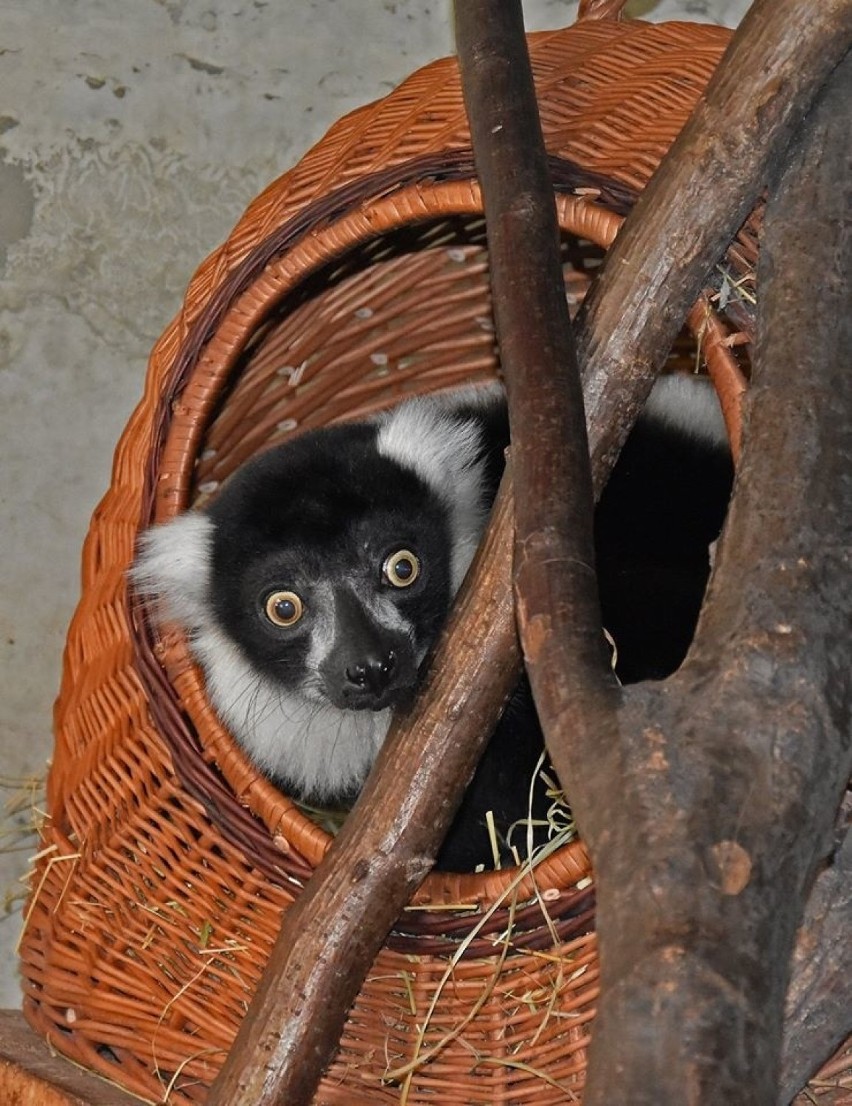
(601, 9)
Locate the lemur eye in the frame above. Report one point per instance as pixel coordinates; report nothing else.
(401, 568)
(284, 608)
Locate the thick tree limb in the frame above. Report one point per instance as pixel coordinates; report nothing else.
(734, 769)
(685, 218)
(555, 582)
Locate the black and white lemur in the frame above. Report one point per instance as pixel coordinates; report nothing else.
(313, 586)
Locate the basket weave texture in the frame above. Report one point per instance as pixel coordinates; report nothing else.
(357, 278)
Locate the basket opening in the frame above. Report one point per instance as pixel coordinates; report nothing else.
(402, 313)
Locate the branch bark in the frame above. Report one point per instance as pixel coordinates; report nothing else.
(702, 192)
(733, 770)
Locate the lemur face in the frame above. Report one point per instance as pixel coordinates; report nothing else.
(331, 570)
(316, 582)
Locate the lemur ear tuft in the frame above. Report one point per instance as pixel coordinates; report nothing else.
(443, 446)
(172, 568)
(427, 437)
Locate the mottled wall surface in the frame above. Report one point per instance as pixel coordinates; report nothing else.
(132, 135)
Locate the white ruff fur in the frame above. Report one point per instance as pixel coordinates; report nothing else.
(319, 749)
(422, 435)
(173, 568)
(688, 404)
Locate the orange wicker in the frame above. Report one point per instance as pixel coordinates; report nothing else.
(357, 277)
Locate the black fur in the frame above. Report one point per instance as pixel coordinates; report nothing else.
(319, 517)
(326, 507)
(663, 506)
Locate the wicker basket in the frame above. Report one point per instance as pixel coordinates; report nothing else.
(358, 277)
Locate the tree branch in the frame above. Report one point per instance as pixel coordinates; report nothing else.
(332, 933)
(733, 770)
(555, 582)
(683, 221)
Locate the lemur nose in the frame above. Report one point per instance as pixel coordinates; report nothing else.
(373, 672)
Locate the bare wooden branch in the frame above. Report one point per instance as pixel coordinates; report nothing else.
(733, 770)
(728, 151)
(554, 575)
(818, 1014)
(330, 936)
